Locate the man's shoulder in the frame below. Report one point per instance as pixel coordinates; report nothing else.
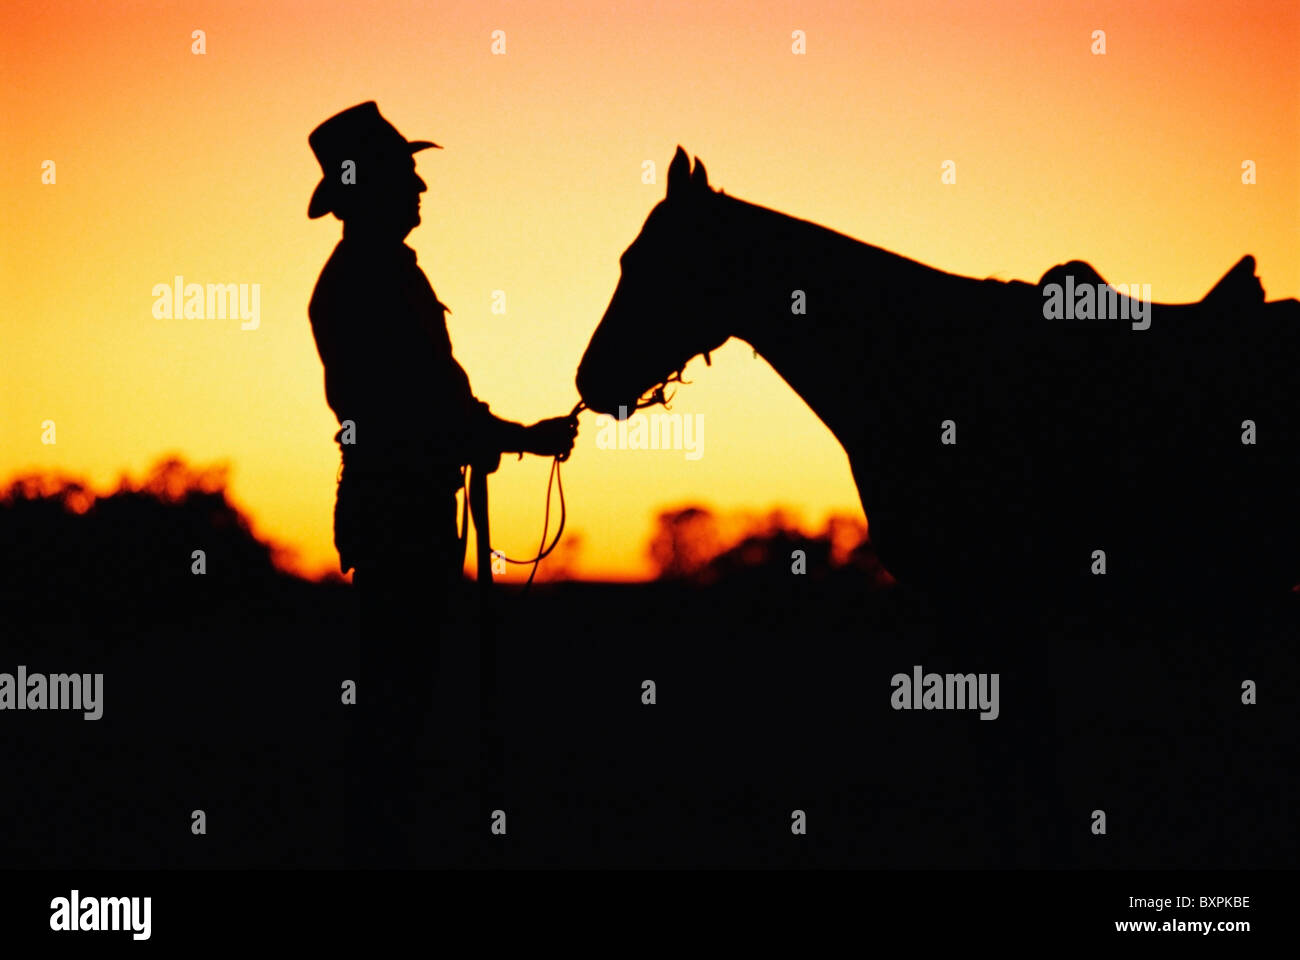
(359, 277)
(347, 277)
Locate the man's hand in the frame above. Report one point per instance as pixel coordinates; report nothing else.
(551, 438)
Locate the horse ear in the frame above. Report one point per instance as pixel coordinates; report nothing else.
(700, 177)
(679, 174)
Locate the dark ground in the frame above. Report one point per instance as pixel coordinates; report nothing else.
(770, 698)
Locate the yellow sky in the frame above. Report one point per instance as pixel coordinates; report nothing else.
(169, 163)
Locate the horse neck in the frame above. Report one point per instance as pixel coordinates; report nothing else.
(824, 352)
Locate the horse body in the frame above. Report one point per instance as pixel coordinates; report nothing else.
(989, 444)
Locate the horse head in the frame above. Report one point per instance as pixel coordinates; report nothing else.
(669, 305)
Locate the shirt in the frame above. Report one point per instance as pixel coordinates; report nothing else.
(381, 334)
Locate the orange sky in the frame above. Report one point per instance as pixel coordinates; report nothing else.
(170, 163)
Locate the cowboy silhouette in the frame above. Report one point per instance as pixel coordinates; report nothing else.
(409, 423)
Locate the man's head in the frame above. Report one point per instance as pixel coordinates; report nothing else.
(369, 172)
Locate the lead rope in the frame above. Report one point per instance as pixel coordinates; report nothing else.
(554, 479)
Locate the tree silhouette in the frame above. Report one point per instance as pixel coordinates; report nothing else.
(690, 545)
(74, 553)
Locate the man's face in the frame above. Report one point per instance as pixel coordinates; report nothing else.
(412, 187)
(391, 205)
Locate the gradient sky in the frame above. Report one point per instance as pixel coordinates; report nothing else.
(170, 163)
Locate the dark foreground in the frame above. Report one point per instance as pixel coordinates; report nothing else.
(769, 700)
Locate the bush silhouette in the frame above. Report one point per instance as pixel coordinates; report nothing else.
(689, 545)
(72, 553)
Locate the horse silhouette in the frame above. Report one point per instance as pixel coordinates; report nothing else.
(993, 439)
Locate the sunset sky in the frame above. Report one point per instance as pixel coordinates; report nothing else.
(170, 163)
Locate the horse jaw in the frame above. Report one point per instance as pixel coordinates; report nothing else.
(598, 396)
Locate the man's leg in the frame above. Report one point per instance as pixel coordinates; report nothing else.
(399, 660)
(411, 719)
(454, 784)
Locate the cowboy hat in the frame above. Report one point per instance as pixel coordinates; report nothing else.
(361, 135)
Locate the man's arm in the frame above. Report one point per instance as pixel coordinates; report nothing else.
(496, 436)
(546, 438)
